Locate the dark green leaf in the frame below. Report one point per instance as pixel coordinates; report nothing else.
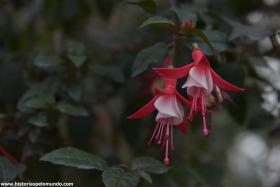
(185, 13)
(9, 171)
(74, 91)
(39, 120)
(71, 108)
(117, 177)
(218, 40)
(41, 101)
(74, 157)
(250, 32)
(148, 56)
(156, 20)
(147, 5)
(146, 176)
(150, 165)
(77, 60)
(39, 96)
(239, 30)
(44, 61)
(204, 37)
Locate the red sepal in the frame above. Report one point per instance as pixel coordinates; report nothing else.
(145, 110)
(224, 84)
(173, 73)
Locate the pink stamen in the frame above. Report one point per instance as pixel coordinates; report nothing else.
(151, 139)
(157, 139)
(161, 135)
(166, 159)
(171, 138)
(199, 99)
(203, 112)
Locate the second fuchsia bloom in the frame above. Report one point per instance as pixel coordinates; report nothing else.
(169, 104)
(201, 81)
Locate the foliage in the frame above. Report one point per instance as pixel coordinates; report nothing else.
(72, 71)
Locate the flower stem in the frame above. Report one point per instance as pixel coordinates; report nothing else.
(195, 45)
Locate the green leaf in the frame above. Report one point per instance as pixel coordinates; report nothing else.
(150, 165)
(239, 30)
(38, 96)
(45, 61)
(185, 13)
(77, 60)
(148, 56)
(117, 177)
(204, 37)
(252, 33)
(39, 120)
(218, 40)
(71, 108)
(157, 20)
(75, 158)
(114, 73)
(40, 101)
(9, 171)
(146, 176)
(147, 5)
(74, 91)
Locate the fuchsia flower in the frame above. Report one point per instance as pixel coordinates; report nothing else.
(168, 103)
(201, 82)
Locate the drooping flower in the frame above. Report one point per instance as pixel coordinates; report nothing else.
(201, 82)
(169, 104)
(152, 81)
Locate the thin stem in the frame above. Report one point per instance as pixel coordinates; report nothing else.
(195, 45)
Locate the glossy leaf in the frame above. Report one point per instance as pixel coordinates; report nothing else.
(150, 165)
(218, 39)
(39, 120)
(41, 101)
(160, 21)
(148, 56)
(77, 60)
(47, 61)
(75, 158)
(117, 177)
(71, 108)
(252, 33)
(204, 37)
(146, 176)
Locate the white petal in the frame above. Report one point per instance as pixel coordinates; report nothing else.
(199, 77)
(169, 107)
(209, 82)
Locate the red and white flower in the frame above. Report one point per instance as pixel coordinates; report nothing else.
(169, 104)
(201, 81)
